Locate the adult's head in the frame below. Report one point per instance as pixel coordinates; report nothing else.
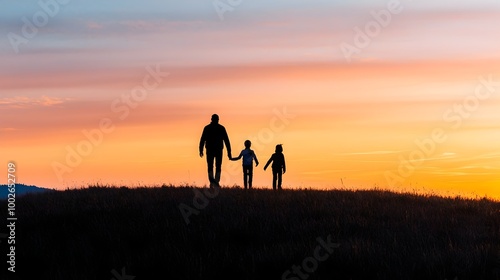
(215, 118)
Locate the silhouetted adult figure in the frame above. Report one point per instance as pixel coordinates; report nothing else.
(213, 138)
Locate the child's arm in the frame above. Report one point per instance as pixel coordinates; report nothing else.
(236, 158)
(284, 165)
(268, 162)
(256, 160)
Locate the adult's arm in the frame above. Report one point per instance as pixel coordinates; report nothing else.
(202, 141)
(226, 142)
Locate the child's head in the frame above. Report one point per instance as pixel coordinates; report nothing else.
(279, 148)
(248, 144)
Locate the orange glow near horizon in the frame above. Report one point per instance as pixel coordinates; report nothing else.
(342, 126)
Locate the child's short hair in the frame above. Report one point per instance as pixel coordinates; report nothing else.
(279, 148)
(248, 144)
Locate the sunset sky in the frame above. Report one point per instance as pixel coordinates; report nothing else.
(399, 95)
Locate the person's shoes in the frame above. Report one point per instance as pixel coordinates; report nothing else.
(214, 184)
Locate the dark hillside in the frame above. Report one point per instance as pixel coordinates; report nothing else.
(106, 233)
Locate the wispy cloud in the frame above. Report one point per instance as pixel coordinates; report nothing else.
(7, 129)
(27, 102)
(92, 25)
(371, 153)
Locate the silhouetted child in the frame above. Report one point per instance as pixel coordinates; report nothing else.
(279, 167)
(248, 157)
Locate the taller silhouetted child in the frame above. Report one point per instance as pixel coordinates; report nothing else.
(248, 157)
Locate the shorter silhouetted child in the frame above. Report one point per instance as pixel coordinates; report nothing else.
(248, 158)
(279, 167)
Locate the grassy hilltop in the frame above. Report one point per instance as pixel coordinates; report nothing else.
(117, 233)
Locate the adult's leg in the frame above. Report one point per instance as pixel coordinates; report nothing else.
(210, 165)
(218, 166)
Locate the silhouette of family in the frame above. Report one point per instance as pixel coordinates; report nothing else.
(214, 138)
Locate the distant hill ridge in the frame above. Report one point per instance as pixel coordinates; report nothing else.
(21, 189)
